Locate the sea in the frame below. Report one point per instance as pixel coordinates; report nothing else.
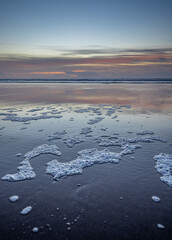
(86, 160)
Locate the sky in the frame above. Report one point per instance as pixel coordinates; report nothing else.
(85, 39)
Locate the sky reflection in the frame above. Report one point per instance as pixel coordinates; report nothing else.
(144, 97)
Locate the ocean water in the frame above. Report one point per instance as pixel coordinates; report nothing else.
(106, 200)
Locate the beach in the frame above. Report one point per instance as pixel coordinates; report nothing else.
(86, 159)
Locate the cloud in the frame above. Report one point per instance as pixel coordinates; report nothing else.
(67, 61)
(79, 71)
(101, 50)
(149, 50)
(83, 62)
(47, 73)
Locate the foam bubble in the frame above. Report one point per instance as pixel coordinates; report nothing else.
(86, 158)
(86, 130)
(35, 229)
(164, 166)
(160, 226)
(15, 118)
(25, 169)
(96, 120)
(72, 140)
(14, 198)
(124, 141)
(155, 199)
(26, 210)
(128, 149)
(35, 109)
(57, 135)
(45, 148)
(145, 132)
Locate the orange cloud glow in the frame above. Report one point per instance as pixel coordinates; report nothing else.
(47, 73)
(140, 63)
(79, 71)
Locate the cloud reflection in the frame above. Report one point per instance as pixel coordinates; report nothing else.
(143, 97)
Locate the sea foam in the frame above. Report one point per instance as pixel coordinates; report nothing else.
(25, 169)
(72, 140)
(86, 158)
(164, 166)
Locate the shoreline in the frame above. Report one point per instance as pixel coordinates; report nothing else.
(113, 81)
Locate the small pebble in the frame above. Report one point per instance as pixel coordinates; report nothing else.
(69, 228)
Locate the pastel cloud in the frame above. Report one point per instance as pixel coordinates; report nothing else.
(79, 71)
(90, 63)
(47, 73)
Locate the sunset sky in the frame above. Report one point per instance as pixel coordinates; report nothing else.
(80, 39)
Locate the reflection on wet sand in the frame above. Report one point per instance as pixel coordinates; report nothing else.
(151, 97)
